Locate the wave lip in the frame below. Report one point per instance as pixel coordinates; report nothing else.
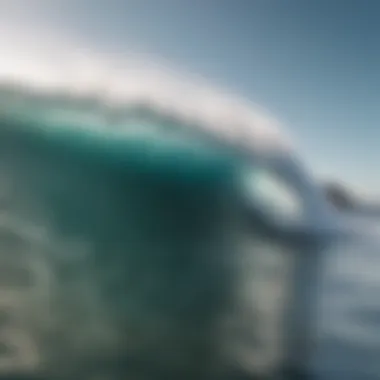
(73, 77)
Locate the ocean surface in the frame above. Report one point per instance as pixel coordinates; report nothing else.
(60, 270)
(349, 321)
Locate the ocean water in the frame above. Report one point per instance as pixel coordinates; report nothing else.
(114, 254)
(348, 328)
(90, 230)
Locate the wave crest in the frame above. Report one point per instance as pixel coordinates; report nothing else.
(68, 79)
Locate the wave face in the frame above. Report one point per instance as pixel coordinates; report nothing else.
(114, 253)
(117, 216)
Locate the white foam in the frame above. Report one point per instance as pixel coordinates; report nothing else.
(47, 64)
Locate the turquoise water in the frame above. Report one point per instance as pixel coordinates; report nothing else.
(121, 246)
(126, 243)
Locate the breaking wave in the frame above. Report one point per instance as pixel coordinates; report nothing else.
(115, 271)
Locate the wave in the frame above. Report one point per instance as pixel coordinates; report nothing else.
(130, 273)
(67, 78)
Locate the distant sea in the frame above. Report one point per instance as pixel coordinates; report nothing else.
(349, 330)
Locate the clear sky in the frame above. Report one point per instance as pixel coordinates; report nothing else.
(315, 64)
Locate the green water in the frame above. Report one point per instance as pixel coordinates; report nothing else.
(154, 214)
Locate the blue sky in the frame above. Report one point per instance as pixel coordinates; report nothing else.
(315, 64)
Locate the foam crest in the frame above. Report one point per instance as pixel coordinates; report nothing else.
(65, 71)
